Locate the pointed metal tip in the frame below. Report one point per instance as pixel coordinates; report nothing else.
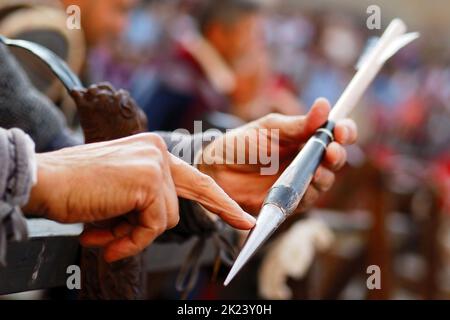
(229, 277)
(268, 221)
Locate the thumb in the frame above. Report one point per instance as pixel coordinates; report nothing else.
(317, 116)
(191, 184)
(299, 128)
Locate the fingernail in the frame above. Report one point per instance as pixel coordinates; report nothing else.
(321, 99)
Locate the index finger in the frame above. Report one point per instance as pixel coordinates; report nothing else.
(191, 184)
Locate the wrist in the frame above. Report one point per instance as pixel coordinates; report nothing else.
(37, 203)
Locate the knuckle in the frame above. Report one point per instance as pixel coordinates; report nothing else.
(153, 172)
(151, 139)
(157, 141)
(150, 150)
(159, 228)
(206, 181)
(141, 137)
(271, 117)
(173, 220)
(140, 196)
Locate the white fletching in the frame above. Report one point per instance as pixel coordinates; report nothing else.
(384, 49)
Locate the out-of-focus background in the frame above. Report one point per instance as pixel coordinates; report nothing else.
(390, 206)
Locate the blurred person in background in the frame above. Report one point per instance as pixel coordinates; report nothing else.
(219, 63)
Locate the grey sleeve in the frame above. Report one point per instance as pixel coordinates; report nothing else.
(16, 180)
(22, 106)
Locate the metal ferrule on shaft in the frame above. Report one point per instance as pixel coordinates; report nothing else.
(290, 188)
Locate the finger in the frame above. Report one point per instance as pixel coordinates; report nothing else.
(191, 184)
(99, 237)
(299, 128)
(310, 197)
(345, 132)
(323, 179)
(96, 238)
(171, 199)
(152, 223)
(335, 156)
(170, 195)
(317, 116)
(130, 245)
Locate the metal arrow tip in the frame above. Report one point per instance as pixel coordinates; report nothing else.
(268, 221)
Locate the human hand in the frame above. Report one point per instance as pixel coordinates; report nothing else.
(134, 177)
(245, 183)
